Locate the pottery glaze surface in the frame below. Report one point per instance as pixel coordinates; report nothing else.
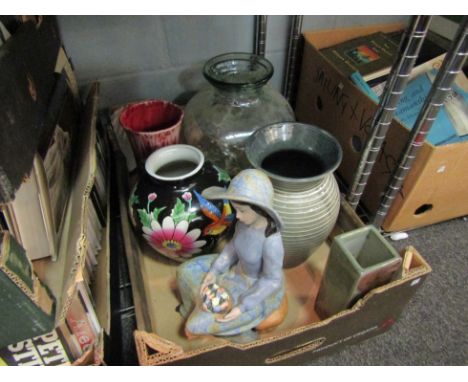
(359, 261)
(150, 125)
(167, 207)
(308, 205)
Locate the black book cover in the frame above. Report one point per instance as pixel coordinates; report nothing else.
(369, 55)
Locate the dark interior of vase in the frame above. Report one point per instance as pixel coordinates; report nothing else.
(294, 150)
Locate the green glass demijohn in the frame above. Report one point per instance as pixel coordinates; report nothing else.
(219, 119)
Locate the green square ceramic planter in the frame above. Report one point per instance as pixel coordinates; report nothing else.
(359, 261)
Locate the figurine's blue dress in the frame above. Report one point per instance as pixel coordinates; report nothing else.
(249, 268)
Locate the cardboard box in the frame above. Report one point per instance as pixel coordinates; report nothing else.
(300, 338)
(64, 275)
(436, 188)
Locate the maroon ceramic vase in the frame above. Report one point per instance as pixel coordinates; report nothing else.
(150, 125)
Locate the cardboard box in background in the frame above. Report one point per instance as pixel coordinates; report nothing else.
(436, 188)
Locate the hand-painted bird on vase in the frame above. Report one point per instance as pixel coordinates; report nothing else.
(221, 220)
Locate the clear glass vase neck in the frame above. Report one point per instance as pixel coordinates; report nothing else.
(240, 97)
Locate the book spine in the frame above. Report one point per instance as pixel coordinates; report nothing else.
(88, 305)
(11, 222)
(49, 349)
(80, 325)
(45, 206)
(359, 81)
(28, 215)
(16, 265)
(70, 340)
(21, 317)
(28, 307)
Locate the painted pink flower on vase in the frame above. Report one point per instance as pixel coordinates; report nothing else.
(187, 196)
(152, 197)
(173, 240)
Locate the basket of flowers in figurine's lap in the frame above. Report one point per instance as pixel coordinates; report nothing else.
(216, 299)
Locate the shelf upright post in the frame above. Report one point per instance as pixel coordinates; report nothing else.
(410, 46)
(451, 67)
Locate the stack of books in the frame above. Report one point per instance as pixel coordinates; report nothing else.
(38, 208)
(54, 208)
(74, 326)
(87, 235)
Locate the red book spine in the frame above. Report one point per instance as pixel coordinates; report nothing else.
(79, 324)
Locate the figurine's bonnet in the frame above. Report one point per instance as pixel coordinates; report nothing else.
(248, 186)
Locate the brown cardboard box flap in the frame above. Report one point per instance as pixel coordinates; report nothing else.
(63, 275)
(329, 37)
(152, 349)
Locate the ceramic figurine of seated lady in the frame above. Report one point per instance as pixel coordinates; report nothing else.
(237, 290)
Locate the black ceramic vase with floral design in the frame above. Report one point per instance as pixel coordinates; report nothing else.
(167, 208)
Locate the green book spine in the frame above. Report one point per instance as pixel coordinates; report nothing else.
(21, 318)
(15, 262)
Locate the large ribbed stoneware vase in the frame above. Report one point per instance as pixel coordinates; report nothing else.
(300, 160)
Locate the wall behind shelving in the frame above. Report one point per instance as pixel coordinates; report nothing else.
(139, 57)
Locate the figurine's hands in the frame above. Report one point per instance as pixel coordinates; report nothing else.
(210, 278)
(232, 315)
